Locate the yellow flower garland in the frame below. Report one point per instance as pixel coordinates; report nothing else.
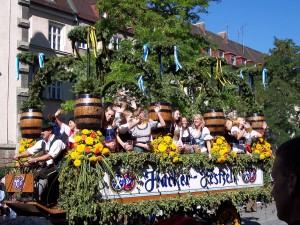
(262, 148)
(88, 145)
(166, 149)
(25, 143)
(221, 150)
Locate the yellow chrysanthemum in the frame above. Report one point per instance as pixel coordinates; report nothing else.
(89, 141)
(77, 138)
(80, 148)
(93, 159)
(77, 163)
(223, 152)
(162, 147)
(219, 141)
(262, 156)
(74, 155)
(175, 160)
(173, 146)
(234, 154)
(99, 133)
(221, 160)
(168, 139)
(105, 151)
(85, 131)
(21, 149)
(268, 154)
(172, 154)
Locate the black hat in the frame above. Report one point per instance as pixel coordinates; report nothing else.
(46, 125)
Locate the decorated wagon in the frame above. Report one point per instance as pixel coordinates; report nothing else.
(96, 186)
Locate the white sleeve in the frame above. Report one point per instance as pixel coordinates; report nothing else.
(36, 147)
(56, 148)
(123, 128)
(254, 133)
(64, 128)
(206, 133)
(234, 129)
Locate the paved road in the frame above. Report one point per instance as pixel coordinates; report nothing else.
(265, 215)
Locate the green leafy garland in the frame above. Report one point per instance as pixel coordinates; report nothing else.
(83, 206)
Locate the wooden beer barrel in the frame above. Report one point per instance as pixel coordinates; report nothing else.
(88, 112)
(215, 121)
(30, 123)
(256, 120)
(166, 113)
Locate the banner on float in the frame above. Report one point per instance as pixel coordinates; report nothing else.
(154, 182)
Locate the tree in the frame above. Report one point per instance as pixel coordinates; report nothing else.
(281, 98)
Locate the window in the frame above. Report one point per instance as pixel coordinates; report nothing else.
(53, 91)
(243, 61)
(116, 42)
(208, 51)
(81, 45)
(55, 36)
(221, 53)
(233, 59)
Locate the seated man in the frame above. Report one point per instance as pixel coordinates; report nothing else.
(52, 149)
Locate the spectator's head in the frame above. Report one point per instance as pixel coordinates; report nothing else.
(286, 177)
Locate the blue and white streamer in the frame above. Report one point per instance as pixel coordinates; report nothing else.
(177, 63)
(140, 83)
(41, 60)
(241, 75)
(17, 68)
(264, 78)
(251, 82)
(145, 52)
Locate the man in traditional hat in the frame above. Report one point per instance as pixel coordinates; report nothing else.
(52, 149)
(286, 177)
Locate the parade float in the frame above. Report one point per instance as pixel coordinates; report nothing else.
(97, 186)
(101, 187)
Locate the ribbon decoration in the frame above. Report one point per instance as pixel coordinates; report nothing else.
(140, 83)
(41, 60)
(75, 50)
(241, 76)
(145, 52)
(93, 39)
(264, 78)
(251, 82)
(17, 68)
(219, 73)
(161, 67)
(177, 63)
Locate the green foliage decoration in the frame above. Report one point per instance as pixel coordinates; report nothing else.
(56, 69)
(82, 204)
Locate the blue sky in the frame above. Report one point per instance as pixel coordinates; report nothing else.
(259, 21)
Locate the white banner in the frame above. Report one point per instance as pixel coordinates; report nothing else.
(125, 185)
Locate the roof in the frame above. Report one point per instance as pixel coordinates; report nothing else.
(85, 9)
(61, 5)
(230, 46)
(235, 48)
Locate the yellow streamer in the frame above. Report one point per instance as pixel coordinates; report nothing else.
(93, 39)
(181, 85)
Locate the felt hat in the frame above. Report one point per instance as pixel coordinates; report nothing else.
(46, 125)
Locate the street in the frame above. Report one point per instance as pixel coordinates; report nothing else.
(265, 215)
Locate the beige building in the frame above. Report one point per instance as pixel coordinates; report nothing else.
(39, 26)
